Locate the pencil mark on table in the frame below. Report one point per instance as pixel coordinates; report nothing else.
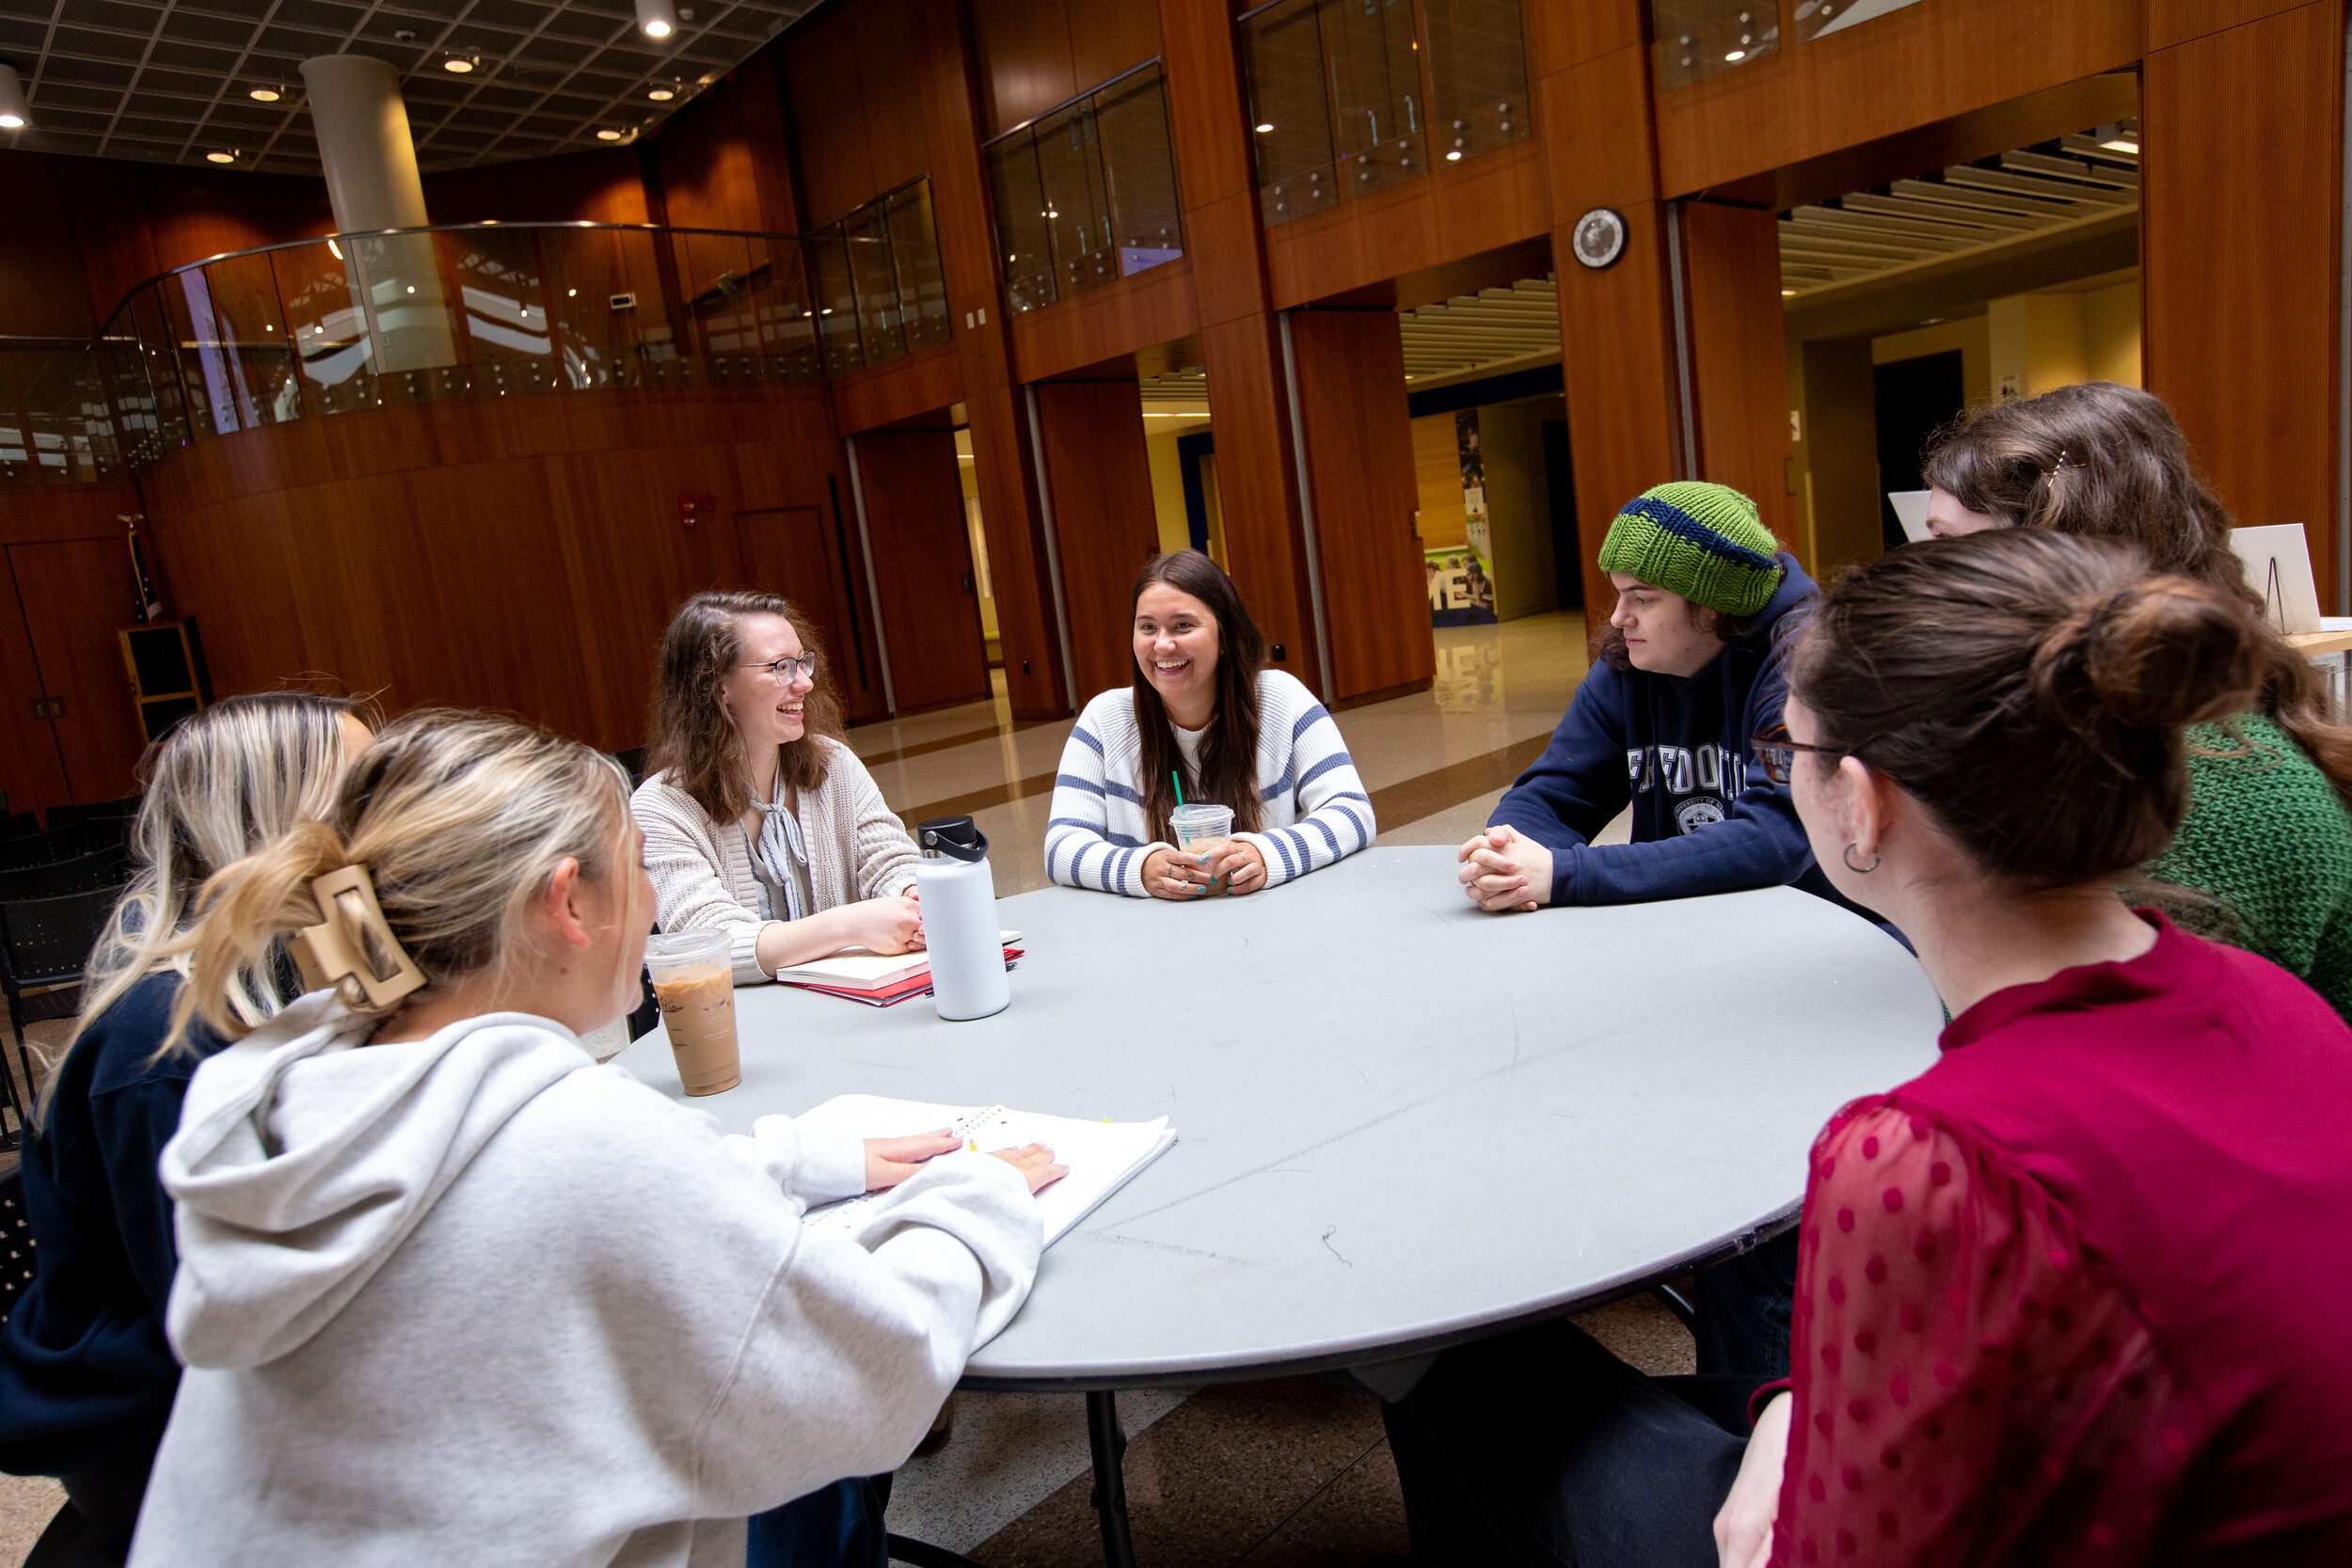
(1165, 1247)
(1328, 1232)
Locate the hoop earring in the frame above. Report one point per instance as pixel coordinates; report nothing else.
(1859, 870)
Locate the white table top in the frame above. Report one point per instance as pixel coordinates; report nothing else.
(1401, 1121)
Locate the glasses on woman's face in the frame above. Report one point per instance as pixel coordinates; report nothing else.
(1778, 753)
(783, 672)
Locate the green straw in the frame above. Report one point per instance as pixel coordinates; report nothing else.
(1177, 779)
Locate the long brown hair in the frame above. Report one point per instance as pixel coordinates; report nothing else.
(2030, 689)
(694, 743)
(1229, 749)
(2109, 462)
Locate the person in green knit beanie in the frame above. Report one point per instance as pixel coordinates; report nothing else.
(1689, 674)
(2265, 852)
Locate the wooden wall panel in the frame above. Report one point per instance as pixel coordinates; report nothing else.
(1926, 62)
(76, 595)
(604, 186)
(1740, 355)
(1021, 53)
(1109, 323)
(857, 113)
(193, 215)
(1358, 440)
(2241, 147)
(930, 608)
(385, 548)
(2172, 22)
(796, 551)
(41, 285)
(723, 160)
(31, 770)
(110, 228)
(901, 388)
(1101, 481)
(1458, 209)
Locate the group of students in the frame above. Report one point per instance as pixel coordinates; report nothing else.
(445, 1288)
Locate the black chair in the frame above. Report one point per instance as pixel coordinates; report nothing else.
(632, 763)
(17, 824)
(104, 834)
(57, 844)
(79, 875)
(16, 1239)
(60, 817)
(44, 943)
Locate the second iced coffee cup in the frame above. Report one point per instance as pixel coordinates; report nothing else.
(694, 981)
(1201, 830)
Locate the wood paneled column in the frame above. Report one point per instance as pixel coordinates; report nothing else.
(1738, 341)
(1266, 542)
(2241, 138)
(1616, 330)
(1002, 446)
(1100, 479)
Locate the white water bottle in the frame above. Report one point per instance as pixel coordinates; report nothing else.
(959, 926)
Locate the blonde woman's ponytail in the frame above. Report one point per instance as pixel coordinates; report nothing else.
(246, 910)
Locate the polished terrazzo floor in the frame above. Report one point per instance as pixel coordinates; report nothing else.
(1281, 1474)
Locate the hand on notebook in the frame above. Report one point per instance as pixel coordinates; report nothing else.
(1503, 869)
(891, 1161)
(1035, 1162)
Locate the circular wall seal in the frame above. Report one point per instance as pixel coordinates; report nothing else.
(1599, 238)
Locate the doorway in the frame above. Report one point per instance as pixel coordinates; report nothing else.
(1913, 400)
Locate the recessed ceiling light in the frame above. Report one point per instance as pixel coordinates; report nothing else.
(662, 95)
(264, 93)
(1264, 129)
(607, 133)
(1786, 292)
(2120, 144)
(1736, 56)
(1455, 156)
(220, 157)
(461, 65)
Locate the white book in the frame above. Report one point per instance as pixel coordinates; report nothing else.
(858, 969)
(1102, 1156)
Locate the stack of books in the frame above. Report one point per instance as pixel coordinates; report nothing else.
(877, 979)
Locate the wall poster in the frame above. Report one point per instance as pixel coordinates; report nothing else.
(1461, 577)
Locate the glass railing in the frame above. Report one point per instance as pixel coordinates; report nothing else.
(1698, 39)
(1345, 101)
(1085, 193)
(877, 280)
(318, 327)
(55, 426)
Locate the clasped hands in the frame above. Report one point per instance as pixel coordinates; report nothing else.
(1182, 874)
(891, 1161)
(1503, 869)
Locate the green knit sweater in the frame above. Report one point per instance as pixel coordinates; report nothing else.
(2265, 834)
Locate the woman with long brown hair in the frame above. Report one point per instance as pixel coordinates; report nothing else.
(2073, 1294)
(759, 821)
(2268, 835)
(1202, 712)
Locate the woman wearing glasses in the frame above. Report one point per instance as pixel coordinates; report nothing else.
(757, 820)
(2073, 1294)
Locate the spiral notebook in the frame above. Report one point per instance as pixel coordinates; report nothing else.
(1102, 1156)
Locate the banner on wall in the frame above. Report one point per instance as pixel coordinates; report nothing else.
(1461, 577)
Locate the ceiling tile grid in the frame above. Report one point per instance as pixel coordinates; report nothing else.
(171, 82)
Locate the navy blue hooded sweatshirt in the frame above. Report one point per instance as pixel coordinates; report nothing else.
(1706, 820)
(85, 1373)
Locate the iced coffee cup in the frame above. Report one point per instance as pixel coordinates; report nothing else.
(693, 982)
(1203, 830)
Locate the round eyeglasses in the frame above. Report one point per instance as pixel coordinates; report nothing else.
(783, 672)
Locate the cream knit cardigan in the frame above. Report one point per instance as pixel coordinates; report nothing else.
(702, 870)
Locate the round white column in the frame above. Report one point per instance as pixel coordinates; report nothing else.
(372, 179)
(362, 129)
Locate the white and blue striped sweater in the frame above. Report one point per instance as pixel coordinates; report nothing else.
(1315, 809)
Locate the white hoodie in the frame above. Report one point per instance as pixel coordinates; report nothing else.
(474, 1299)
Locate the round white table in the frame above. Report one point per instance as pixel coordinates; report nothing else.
(1402, 1122)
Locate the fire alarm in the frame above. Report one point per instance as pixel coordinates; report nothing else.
(694, 509)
